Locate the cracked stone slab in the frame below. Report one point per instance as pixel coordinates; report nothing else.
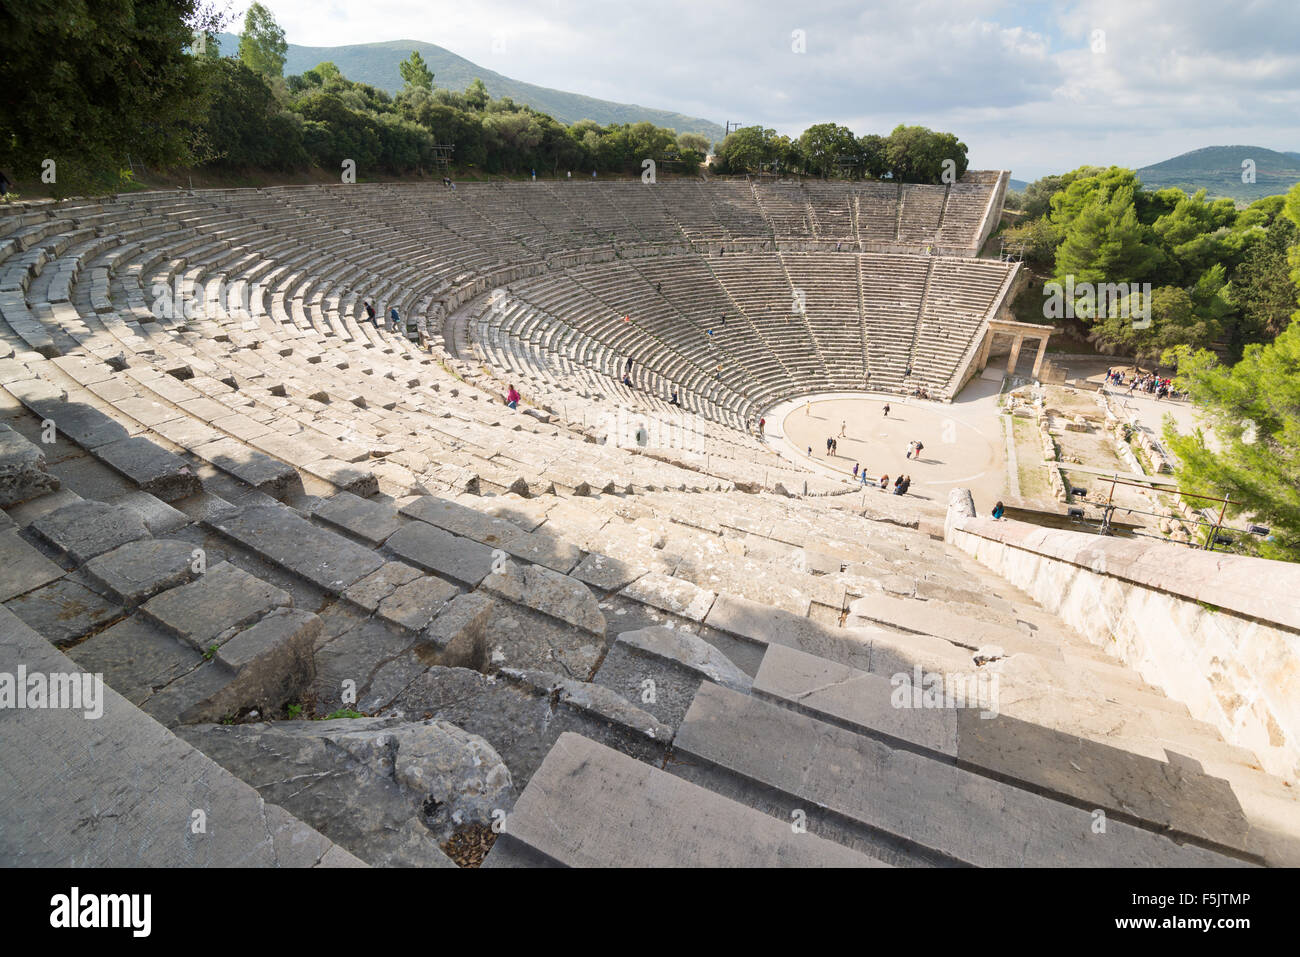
(370, 521)
(605, 573)
(550, 593)
(412, 606)
(128, 765)
(207, 610)
(772, 626)
(368, 592)
(152, 468)
(690, 651)
(595, 700)
(22, 567)
(285, 538)
(390, 792)
(463, 521)
(23, 472)
(64, 611)
(859, 698)
(456, 637)
(85, 529)
(136, 658)
(136, 571)
(672, 595)
(267, 475)
(591, 806)
(434, 549)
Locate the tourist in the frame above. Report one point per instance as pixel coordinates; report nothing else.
(886, 410)
(810, 451)
(674, 400)
(370, 312)
(807, 408)
(627, 379)
(629, 364)
(897, 483)
(762, 424)
(842, 425)
(998, 510)
(907, 483)
(855, 469)
(829, 444)
(884, 482)
(394, 318)
(864, 478)
(916, 452)
(512, 398)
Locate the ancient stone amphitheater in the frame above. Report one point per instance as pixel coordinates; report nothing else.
(349, 608)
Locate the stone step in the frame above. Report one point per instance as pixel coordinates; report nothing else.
(956, 717)
(135, 783)
(911, 798)
(590, 806)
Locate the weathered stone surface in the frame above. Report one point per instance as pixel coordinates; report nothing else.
(344, 476)
(85, 529)
(952, 811)
(590, 806)
(284, 537)
(23, 472)
(544, 548)
(209, 610)
(138, 780)
(22, 567)
(153, 469)
(368, 592)
(159, 517)
(138, 570)
(605, 573)
(690, 651)
(389, 792)
(264, 473)
(64, 611)
(456, 637)
(765, 625)
(595, 700)
(136, 658)
(270, 664)
(671, 594)
(550, 593)
(436, 550)
(413, 605)
(863, 700)
(466, 522)
(370, 521)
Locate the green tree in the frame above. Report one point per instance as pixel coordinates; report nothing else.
(416, 73)
(1253, 409)
(1104, 242)
(825, 145)
(1262, 288)
(262, 46)
(84, 85)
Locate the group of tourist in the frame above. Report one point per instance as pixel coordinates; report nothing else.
(1159, 386)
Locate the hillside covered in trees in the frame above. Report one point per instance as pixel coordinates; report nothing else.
(160, 93)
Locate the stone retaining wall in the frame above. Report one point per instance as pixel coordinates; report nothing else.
(1220, 633)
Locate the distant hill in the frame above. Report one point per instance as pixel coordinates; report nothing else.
(376, 64)
(1217, 170)
(1018, 185)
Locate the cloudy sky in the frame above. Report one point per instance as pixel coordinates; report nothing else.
(1035, 87)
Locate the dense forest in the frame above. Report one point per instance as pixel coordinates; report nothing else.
(159, 92)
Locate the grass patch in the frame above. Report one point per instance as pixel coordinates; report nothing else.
(1034, 483)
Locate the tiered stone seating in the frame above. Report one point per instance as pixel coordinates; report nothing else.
(245, 517)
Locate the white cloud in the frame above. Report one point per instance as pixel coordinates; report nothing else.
(1017, 81)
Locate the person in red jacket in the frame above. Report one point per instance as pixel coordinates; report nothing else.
(512, 398)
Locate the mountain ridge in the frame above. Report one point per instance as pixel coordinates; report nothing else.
(376, 64)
